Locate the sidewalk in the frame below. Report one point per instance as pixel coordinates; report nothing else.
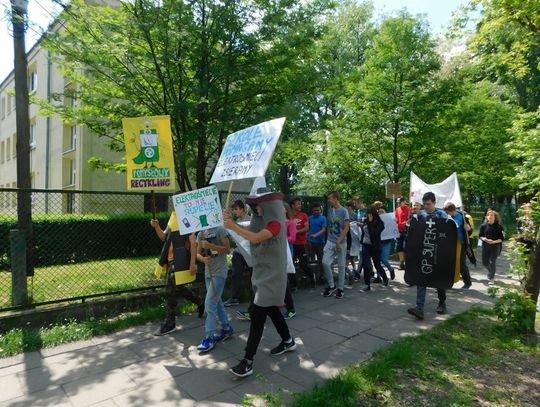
(134, 368)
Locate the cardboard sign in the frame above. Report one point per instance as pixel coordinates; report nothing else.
(431, 253)
(149, 153)
(393, 190)
(390, 226)
(198, 210)
(247, 153)
(356, 233)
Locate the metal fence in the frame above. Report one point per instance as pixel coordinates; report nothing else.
(88, 244)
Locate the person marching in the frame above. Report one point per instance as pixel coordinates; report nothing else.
(213, 245)
(178, 253)
(268, 239)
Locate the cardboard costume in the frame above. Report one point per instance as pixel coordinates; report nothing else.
(269, 278)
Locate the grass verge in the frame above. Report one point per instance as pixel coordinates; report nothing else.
(471, 359)
(26, 340)
(80, 279)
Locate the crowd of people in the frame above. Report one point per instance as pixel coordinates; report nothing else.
(288, 246)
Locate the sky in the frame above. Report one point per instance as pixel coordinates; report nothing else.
(437, 12)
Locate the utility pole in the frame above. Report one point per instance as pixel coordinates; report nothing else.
(24, 207)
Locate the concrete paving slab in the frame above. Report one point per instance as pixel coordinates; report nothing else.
(10, 388)
(98, 387)
(53, 397)
(51, 375)
(20, 363)
(316, 339)
(365, 343)
(68, 347)
(107, 359)
(165, 393)
(157, 369)
(209, 380)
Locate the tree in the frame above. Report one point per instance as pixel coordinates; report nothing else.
(390, 112)
(213, 66)
(507, 42)
(476, 133)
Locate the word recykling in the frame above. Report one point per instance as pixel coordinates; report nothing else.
(150, 183)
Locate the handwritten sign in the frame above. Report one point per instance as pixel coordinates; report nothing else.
(198, 210)
(390, 226)
(431, 253)
(247, 153)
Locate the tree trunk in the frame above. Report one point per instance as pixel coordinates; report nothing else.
(532, 281)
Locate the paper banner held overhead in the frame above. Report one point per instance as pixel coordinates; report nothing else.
(198, 210)
(149, 153)
(246, 155)
(447, 190)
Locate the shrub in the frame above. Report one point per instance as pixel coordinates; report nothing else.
(64, 239)
(517, 310)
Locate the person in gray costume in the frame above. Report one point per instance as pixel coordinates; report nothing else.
(267, 235)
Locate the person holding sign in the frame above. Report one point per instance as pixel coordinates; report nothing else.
(213, 245)
(463, 228)
(429, 212)
(177, 254)
(268, 238)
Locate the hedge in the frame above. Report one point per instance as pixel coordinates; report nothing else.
(65, 239)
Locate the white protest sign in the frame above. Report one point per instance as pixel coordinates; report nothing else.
(390, 226)
(247, 154)
(355, 239)
(242, 244)
(244, 247)
(198, 210)
(447, 190)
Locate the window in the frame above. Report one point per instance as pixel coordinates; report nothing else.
(32, 133)
(9, 101)
(32, 80)
(3, 107)
(2, 152)
(8, 149)
(73, 137)
(14, 153)
(72, 172)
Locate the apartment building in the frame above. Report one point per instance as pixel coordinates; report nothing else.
(59, 150)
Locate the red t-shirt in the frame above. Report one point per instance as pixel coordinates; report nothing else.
(300, 218)
(402, 215)
(274, 227)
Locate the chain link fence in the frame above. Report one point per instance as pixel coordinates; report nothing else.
(86, 244)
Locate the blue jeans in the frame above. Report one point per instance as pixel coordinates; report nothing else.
(329, 256)
(421, 296)
(386, 245)
(214, 312)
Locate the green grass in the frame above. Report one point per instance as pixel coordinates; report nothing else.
(460, 361)
(80, 279)
(26, 339)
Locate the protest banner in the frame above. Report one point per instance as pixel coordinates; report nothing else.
(246, 155)
(149, 153)
(198, 210)
(431, 253)
(390, 230)
(447, 190)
